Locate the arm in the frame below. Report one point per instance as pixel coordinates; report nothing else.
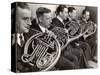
(87, 35)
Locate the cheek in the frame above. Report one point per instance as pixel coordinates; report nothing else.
(74, 16)
(22, 24)
(46, 21)
(87, 17)
(65, 15)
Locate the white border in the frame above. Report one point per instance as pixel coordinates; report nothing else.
(5, 29)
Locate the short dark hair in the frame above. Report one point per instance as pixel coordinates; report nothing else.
(84, 11)
(70, 9)
(60, 8)
(22, 5)
(41, 10)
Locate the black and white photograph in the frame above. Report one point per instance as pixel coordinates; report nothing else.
(53, 37)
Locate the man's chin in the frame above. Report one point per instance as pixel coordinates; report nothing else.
(26, 31)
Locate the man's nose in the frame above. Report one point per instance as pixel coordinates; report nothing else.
(50, 20)
(67, 15)
(29, 23)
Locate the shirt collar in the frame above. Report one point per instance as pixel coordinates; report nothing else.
(60, 19)
(70, 19)
(18, 39)
(84, 20)
(43, 29)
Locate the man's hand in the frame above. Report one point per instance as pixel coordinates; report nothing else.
(66, 30)
(50, 33)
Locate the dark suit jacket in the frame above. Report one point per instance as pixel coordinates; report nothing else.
(67, 58)
(24, 67)
(57, 23)
(17, 52)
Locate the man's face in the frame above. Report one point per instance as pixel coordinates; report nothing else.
(87, 15)
(46, 20)
(72, 14)
(23, 20)
(64, 14)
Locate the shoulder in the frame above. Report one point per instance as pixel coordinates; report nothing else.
(55, 19)
(56, 22)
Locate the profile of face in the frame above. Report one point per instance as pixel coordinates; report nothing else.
(46, 19)
(64, 14)
(72, 14)
(23, 20)
(87, 15)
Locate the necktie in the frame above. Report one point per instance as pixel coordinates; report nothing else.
(21, 40)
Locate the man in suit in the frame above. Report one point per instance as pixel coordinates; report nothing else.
(62, 14)
(90, 39)
(24, 32)
(44, 19)
(22, 24)
(80, 47)
(44, 23)
(72, 17)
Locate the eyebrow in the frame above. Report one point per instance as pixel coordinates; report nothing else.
(27, 18)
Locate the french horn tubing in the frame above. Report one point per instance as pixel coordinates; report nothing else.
(74, 32)
(91, 26)
(74, 28)
(41, 52)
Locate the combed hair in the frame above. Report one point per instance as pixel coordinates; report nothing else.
(22, 5)
(70, 9)
(84, 11)
(41, 10)
(60, 8)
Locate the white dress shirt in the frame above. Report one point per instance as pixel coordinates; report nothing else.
(60, 19)
(18, 38)
(43, 29)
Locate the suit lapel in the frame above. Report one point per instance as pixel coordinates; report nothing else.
(57, 23)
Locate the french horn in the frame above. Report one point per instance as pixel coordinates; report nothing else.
(91, 29)
(41, 52)
(74, 28)
(64, 38)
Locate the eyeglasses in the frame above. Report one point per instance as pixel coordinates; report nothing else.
(27, 19)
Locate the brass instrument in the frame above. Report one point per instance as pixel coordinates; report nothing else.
(74, 28)
(91, 29)
(41, 52)
(62, 37)
(74, 32)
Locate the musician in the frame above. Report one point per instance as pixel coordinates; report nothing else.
(44, 23)
(91, 38)
(72, 17)
(71, 14)
(22, 24)
(58, 21)
(74, 45)
(79, 46)
(61, 15)
(24, 31)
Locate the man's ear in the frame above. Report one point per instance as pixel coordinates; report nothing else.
(69, 13)
(60, 13)
(84, 15)
(40, 19)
